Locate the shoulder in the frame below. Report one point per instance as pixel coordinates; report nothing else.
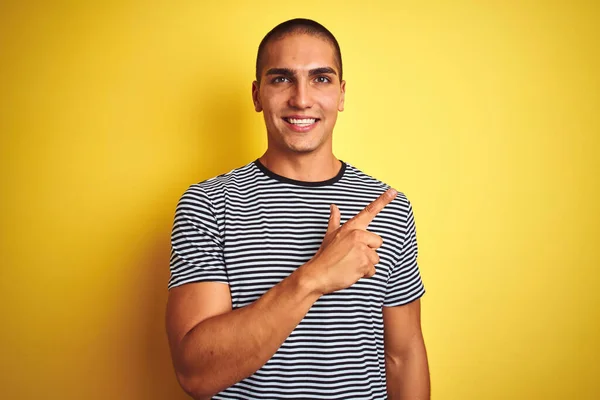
(400, 207)
(213, 189)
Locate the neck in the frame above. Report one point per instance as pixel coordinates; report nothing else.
(308, 167)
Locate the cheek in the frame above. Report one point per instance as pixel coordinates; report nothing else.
(268, 109)
(332, 105)
(272, 104)
(331, 100)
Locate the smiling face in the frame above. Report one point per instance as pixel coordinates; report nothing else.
(300, 94)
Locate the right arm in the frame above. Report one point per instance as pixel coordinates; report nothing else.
(214, 347)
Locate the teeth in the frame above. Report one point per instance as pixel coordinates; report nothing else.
(306, 121)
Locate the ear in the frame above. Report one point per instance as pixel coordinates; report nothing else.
(256, 96)
(343, 96)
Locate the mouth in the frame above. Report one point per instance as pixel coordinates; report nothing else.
(301, 124)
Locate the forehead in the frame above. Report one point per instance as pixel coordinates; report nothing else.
(299, 52)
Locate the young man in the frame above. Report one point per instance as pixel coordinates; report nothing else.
(277, 289)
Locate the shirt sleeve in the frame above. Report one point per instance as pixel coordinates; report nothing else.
(196, 242)
(405, 284)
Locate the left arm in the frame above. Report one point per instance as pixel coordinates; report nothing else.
(407, 370)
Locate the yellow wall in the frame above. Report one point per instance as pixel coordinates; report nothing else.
(484, 113)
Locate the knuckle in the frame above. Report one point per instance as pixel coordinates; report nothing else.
(373, 258)
(364, 260)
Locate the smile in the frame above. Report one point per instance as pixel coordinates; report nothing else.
(301, 122)
(300, 125)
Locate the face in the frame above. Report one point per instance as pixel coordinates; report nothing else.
(300, 93)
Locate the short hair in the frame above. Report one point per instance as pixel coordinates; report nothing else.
(298, 26)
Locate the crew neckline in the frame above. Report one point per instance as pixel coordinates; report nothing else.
(283, 179)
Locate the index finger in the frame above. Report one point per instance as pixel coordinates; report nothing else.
(366, 215)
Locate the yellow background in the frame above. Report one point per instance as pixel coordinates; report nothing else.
(485, 114)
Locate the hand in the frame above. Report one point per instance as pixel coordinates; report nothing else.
(348, 253)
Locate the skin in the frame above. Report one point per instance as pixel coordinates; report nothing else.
(213, 346)
(301, 156)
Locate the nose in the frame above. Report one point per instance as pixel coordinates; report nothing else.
(300, 96)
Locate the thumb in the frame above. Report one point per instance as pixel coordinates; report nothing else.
(334, 219)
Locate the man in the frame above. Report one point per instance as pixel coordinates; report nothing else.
(277, 289)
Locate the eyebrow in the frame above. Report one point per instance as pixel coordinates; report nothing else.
(291, 72)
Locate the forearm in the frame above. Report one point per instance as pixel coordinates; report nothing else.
(408, 374)
(227, 348)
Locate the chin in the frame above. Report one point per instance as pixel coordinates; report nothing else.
(299, 143)
(302, 148)
(305, 144)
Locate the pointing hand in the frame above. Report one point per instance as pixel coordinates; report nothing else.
(348, 253)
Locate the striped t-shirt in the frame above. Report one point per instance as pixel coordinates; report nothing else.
(251, 228)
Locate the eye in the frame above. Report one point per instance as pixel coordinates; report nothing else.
(280, 79)
(322, 79)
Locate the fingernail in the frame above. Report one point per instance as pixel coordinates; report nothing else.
(393, 192)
